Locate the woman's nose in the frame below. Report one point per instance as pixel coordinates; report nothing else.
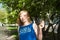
(22, 18)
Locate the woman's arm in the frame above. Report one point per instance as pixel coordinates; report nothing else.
(41, 25)
(38, 29)
(35, 27)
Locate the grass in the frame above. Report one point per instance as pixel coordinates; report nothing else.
(12, 28)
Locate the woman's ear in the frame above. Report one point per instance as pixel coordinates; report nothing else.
(28, 17)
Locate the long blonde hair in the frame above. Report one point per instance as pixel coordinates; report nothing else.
(18, 19)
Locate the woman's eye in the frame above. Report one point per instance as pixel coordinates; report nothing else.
(25, 15)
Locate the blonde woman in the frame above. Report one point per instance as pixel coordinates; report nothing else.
(27, 28)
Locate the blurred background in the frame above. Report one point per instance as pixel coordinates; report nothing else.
(49, 10)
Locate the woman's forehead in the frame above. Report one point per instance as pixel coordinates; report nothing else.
(23, 13)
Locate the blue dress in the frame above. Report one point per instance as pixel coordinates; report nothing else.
(27, 32)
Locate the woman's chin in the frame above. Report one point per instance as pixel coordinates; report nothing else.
(23, 21)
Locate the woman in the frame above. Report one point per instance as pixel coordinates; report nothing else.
(27, 28)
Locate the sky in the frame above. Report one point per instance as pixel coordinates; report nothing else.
(1, 8)
(0, 5)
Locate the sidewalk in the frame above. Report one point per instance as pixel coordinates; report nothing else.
(4, 35)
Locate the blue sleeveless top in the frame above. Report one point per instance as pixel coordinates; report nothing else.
(27, 32)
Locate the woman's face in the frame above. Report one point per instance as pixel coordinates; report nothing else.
(24, 17)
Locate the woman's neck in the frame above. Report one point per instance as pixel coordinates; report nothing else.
(27, 23)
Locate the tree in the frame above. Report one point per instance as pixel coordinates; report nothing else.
(3, 16)
(37, 8)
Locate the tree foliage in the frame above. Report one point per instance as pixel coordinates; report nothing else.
(2, 16)
(37, 8)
